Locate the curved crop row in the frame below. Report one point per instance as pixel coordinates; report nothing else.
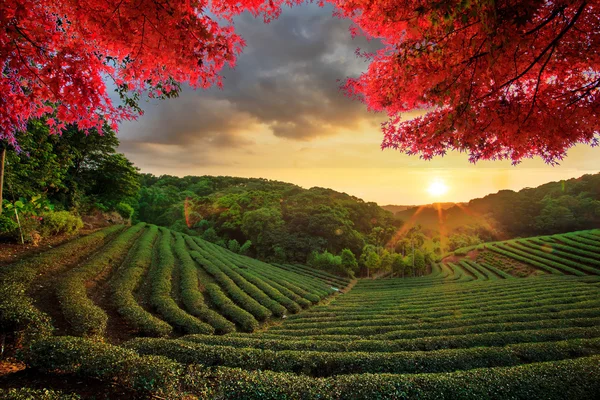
(160, 298)
(248, 287)
(18, 314)
(127, 280)
(85, 318)
(240, 297)
(191, 297)
(241, 317)
(321, 364)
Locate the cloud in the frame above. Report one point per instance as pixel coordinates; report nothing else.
(285, 84)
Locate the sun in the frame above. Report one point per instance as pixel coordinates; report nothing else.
(437, 188)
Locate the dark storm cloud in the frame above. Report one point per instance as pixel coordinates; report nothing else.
(286, 81)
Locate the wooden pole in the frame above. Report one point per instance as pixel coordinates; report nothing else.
(2, 159)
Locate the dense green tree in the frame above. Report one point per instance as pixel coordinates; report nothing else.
(234, 246)
(349, 262)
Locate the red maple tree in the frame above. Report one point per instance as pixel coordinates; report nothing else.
(501, 79)
(498, 79)
(56, 55)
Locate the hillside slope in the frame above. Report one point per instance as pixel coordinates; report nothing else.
(146, 312)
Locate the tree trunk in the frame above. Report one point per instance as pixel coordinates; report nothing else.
(2, 158)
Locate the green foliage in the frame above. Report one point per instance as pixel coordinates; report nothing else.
(325, 261)
(242, 318)
(83, 357)
(125, 210)
(234, 246)
(349, 262)
(245, 249)
(8, 226)
(323, 364)
(283, 222)
(35, 394)
(18, 315)
(73, 170)
(160, 298)
(191, 296)
(57, 222)
(83, 315)
(127, 280)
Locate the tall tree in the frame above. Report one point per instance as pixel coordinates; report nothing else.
(502, 79)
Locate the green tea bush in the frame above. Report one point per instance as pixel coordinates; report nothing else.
(126, 281)
(124, 210)
(321, 364)
(85, 317)
(160, 298)
(241, 298)
(241, 317)
(35, 394)
(105, 362)
(18, 315)
(191, 297)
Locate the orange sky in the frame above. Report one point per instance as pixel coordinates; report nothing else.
(352, 162)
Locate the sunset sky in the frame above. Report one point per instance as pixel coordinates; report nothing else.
(281, 116)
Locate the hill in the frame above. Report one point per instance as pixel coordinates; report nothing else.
(554, 207)
(142, 311)
(283, 222)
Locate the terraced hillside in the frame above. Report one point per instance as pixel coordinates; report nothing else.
(469, 330)
(122, 282)
(575, 253)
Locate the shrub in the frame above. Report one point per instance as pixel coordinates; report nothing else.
(84, 316)
(35, 394)
(18, 315)
(8, 226)
(321, 364)
(191, 297)
(126, 281)
(244, 319)
(54, 223)
(161, 300)
(124, 210)
(108, 363)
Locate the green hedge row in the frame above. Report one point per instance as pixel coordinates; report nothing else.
(426, 297)
(333, 343)
(568, 240)
(322, 364)
(554, 257)
(35, 394)
(473, 271)
(472, 307)
(591, 241)
(558, 380)
(573, 251)
(497, 271)
(568, 257)
(191, 297)
(108, 363)
(401, 324)
(128, 278)
(512, 253)
(241, 317)
(306, 282)
(85, 317)
(152, 376)
(240, 297)
(18, 315)
(248, 287)
(160, 297)
(301, 301)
